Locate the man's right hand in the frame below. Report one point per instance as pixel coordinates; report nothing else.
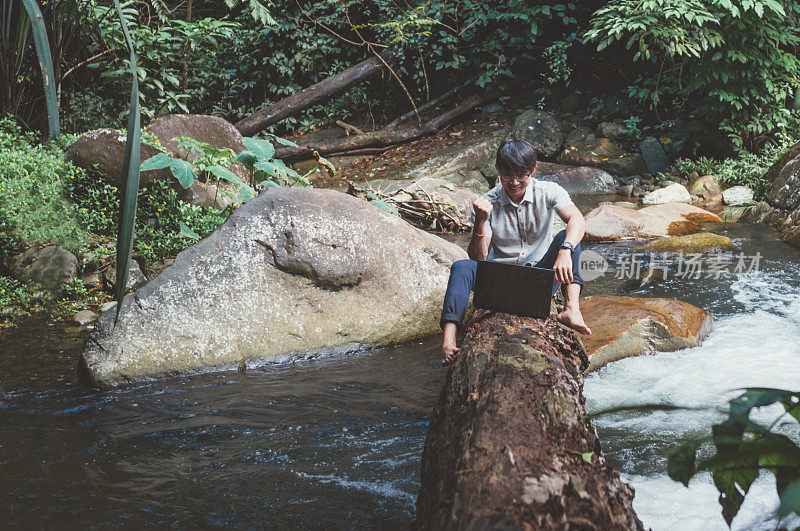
(482, 208)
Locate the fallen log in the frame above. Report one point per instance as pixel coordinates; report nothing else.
(316, 93)
(509, 444)
(388, 136)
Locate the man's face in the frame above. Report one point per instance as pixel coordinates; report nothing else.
(515, 184)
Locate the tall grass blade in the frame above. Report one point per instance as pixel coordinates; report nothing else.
(45, 63)
(130, 176)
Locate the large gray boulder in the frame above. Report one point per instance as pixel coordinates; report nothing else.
(293, 273)
(781, 206)
(541, 129)
(461, 158)
(577, 180)
(104, 149)
(211, 130)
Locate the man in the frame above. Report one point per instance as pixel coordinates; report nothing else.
(512, 224)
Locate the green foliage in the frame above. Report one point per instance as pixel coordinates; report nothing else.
(747, 168)
(265, 168)
(47, 47)
(731, 63)
(33, 179)
(76, 297)
(177, 61)
(212, 164)
(18, 299)
(743, 448)
(161, 215)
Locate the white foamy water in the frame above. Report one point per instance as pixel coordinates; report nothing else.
(759, 347)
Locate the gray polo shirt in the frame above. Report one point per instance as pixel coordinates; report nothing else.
(522, 233)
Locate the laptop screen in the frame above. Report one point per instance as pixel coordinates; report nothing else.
(515, 289)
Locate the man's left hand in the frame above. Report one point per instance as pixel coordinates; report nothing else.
(563, 267)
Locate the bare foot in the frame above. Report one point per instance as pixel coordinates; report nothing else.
(573, 318)
(449, 348)
(448, 353)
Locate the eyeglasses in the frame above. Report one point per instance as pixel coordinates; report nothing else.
(520, 178)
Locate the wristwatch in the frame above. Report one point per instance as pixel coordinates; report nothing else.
(567, 245)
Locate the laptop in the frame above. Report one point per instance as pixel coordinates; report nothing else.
(515, 289)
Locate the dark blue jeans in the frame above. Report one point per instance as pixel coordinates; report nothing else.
(462, 279)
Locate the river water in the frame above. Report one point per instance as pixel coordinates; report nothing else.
(336, 443)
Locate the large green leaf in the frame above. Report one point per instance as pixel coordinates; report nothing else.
(183, 171)
(157, 162)
(260, 147)
(247, 158)
(226, 174)
(45, 63)
(130, 176)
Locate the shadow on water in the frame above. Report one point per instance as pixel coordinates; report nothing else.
(333, 443)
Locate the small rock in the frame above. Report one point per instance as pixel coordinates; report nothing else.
(605, 154)
(738, 195)
(706, 187)
(84, 317)
(492, 108)
(611, 130)
(629, 179)
(541, 129)
(103, 151)
(674, 193)
(92, 279)
(579, 134)
(637, 191)
(52, 266)
(626, 190)
(654, 156)
(107, 306)
(581, 180)
(136, 278)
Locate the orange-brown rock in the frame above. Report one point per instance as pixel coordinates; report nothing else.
(629, 326)
(707, 188)
(699, 242)
(612, 223)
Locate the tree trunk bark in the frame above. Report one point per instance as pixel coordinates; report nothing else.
(388, 136)
(509, 444)
(316, 93)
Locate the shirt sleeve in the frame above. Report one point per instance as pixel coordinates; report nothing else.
(559, 198)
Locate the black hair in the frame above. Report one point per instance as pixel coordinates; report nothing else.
(516, 157)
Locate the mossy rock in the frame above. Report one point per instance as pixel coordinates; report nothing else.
(700, 242)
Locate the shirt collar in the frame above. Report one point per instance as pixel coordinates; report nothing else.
(505, 200)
